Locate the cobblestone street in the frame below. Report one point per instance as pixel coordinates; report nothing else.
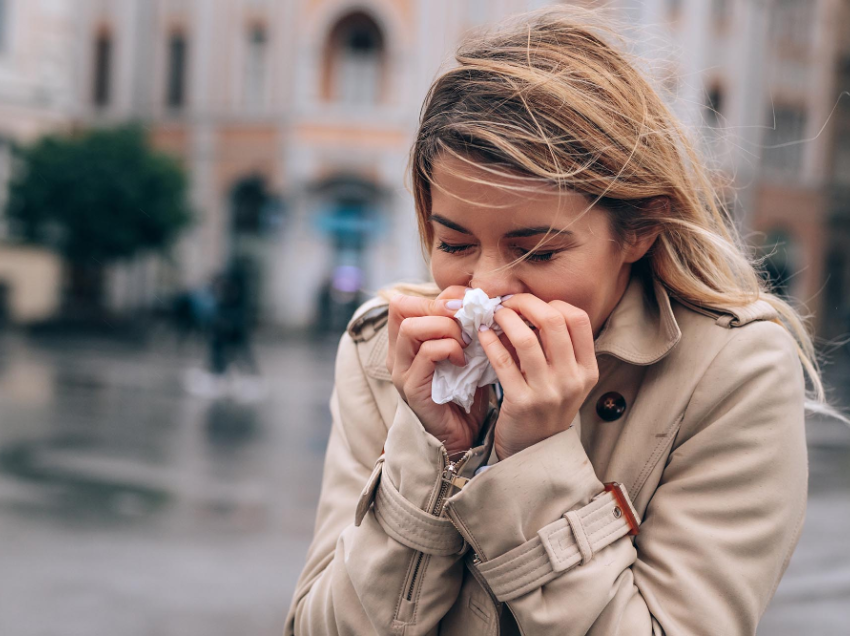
(130, 506)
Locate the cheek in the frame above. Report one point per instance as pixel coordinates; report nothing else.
(446, 271)
(584, 280)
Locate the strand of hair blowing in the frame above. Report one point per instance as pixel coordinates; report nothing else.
(553, 99)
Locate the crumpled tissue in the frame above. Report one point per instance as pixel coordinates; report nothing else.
(458, 384)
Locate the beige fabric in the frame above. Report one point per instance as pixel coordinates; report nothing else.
(559, 546)
(711, 451)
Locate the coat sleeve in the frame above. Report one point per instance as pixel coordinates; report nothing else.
(358, 577)
(716, 536)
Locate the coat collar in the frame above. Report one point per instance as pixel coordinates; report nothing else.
(642, 328)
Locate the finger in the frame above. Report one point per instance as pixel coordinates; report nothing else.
(506, 369)
(403, 306)
(581, 333)
(453, 292)
(421, 372)
(532, 360)
(415, 331)
(550, 323)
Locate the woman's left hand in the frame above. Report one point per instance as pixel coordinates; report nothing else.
(552, 375)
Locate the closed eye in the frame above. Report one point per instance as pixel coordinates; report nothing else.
(537, 257)
(452, 249)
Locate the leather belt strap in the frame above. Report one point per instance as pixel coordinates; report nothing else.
(571, 540)
(413, 527)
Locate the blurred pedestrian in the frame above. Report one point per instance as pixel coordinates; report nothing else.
(227, 315)
(230, 332)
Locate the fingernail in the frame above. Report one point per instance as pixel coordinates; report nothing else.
(454, 304)
(498, 307)
(483, 328)
(466, 337)
(508, 297)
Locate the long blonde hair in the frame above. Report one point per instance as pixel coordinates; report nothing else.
(552, 97)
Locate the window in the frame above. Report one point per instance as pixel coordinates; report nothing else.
(780, 248)
(102, 69)
(841, 159)
(720, 11)
(255, 69)
(792, 22)
(783, 139)
(249, 200)
(4, 26)
(714, 106)
(674, 9)
(356, 51)
(176, 87)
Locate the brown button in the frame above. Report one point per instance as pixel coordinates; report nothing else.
(611, 406)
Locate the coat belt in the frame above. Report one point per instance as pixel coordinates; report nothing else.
(413, 527)
(562, 545)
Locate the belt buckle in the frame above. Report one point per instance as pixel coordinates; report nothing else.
(622, 498)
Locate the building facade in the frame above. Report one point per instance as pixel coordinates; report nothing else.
(294, 119)
(38, 43)
(761, 84)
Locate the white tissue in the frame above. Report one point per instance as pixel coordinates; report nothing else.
(458, 384)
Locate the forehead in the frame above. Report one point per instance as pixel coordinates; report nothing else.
(468, 193)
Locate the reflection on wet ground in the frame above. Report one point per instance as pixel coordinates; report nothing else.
(129, 505)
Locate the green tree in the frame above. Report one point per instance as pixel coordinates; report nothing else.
(97, 197)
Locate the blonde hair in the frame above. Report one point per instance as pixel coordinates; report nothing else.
(553, 99)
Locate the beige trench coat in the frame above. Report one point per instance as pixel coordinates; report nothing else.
(710, 452)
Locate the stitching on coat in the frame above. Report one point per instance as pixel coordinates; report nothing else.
(638, 482)
(478, 611)
(542, 557)
(466, 528)
(522, 565)
(426, 561)
(507, 573)
(504, 560)
(410, 569)
(437, 522)
(399, 521)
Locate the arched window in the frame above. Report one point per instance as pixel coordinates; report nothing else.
(355, 59)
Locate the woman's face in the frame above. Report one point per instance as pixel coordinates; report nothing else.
(479, 228)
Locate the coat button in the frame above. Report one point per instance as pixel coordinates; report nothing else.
(611, 406)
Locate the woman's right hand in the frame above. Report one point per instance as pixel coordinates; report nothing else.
(423, 332)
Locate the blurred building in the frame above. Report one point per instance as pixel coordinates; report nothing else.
(295, 117)
(37, 51)
(763, 82)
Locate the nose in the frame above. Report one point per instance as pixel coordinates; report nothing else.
(494, 279)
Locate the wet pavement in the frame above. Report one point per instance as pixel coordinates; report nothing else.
(131, 506)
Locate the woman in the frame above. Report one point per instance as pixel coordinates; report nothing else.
(641, 468)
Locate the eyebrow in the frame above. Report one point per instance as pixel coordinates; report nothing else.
(520, 233)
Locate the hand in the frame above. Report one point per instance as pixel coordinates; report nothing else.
(552, 375)
(423, 332)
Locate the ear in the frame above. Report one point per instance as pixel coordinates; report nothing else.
(637, 248)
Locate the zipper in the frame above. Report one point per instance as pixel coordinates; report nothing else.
(449, 478)
(476, 560)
